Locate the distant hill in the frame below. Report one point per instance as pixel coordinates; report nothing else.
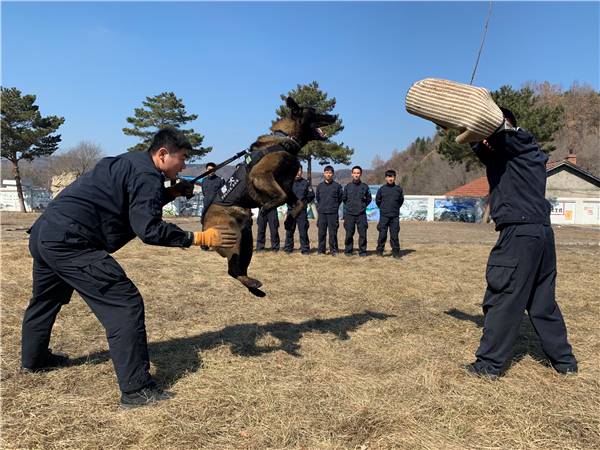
(421, 169)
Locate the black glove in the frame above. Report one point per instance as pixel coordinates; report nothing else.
(182, 189)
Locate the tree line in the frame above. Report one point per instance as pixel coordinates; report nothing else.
(28, 136)
(563, 122)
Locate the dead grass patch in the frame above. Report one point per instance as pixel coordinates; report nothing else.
(342, 353)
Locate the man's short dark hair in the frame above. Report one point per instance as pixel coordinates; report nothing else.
(328, 168)
(390, 173)
(508, 114)
(170, 138)
(210, 164)
(357, 167)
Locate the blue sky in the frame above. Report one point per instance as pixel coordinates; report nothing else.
(93, 63)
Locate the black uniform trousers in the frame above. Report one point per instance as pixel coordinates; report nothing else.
(302, 222)
(521, 275)
(393, 223)
(350, 224)
(261, 222)
(328, 223)
(63, 263)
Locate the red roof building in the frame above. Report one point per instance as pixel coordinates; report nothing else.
(481, 188)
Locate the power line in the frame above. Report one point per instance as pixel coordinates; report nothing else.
(487, 20)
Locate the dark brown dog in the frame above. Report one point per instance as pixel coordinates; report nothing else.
(264, 180)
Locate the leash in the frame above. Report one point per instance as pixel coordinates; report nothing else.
(233, 158)
(218, 166)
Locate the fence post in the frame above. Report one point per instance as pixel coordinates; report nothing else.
(430, 208)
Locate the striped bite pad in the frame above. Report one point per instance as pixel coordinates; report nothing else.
(450, 104)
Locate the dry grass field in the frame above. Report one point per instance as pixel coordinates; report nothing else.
(342, 353)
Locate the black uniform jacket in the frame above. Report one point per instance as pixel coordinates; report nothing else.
(329, 197)
(303, 191)
(120, 198)
(357, 197)
(210, 187)
(389, 200)
(516, 172)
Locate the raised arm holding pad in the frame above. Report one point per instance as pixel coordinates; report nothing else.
(449, 104)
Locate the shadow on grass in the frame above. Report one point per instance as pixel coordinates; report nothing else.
(175, 357)
(527, 343)
(403, 252)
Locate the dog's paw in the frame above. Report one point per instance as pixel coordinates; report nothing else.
(250, 283)
(257, 292)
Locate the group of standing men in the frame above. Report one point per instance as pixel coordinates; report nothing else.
(329, 195)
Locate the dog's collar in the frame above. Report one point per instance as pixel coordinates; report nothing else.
(280, 133)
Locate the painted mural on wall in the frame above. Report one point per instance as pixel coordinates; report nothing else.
(414, 209)
(455, 209)
(458, 209)
(372, 209)
(36, 199)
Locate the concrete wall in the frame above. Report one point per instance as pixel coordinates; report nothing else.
(566, 184)
(565, 210)
(35, 199)
(575, 211)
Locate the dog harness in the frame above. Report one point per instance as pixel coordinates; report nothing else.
(235, 189)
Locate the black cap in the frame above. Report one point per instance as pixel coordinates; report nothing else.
(508, 114)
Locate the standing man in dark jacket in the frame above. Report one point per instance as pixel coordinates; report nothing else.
(71, 244)
(305, 194)
(329, 198)
(262, 221)
(389, 199)
(357, 197)
(521, 269)
(210, 186)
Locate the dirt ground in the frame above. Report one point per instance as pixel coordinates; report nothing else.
(342, 353)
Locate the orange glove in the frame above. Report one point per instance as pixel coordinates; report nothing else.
(219, 236)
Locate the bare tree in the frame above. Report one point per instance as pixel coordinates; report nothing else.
(38, 173)
(79, 159)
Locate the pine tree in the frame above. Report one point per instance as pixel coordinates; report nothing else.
(324, 152)
(25, 133)
(543, 121)
(161, 111)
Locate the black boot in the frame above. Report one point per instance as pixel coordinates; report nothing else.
(569, 370)
(147, 395)
(51, 361)
(482, 371)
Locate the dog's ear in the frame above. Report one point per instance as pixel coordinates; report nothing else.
(291, 103)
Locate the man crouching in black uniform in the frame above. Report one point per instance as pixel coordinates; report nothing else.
(71, 242)
(521, 270)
